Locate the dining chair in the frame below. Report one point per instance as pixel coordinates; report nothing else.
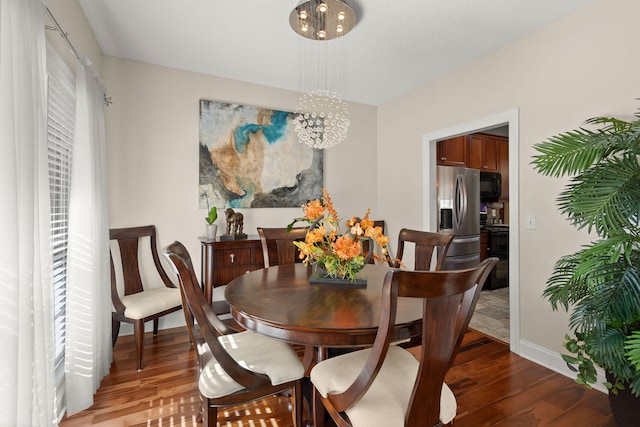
(386, 385)
(278, 249)
(138, 303)
(234, 367)
(425, 244)
(277, 245)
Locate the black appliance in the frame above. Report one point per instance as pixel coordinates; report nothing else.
(499, 247)
(490, 186)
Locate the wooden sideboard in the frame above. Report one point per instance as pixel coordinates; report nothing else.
(223, 261)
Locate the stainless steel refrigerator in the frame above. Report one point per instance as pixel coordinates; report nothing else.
(458, 213)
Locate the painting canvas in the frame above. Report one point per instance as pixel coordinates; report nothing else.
(250, 157)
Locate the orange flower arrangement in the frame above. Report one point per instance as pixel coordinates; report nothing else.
(339, 254)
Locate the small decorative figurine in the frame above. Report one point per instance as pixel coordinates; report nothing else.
(235, 223)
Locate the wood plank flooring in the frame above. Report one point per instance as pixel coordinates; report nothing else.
(493, 387)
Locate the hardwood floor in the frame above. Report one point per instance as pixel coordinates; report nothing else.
(493, 387)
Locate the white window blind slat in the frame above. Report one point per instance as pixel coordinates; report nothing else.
(60, 125)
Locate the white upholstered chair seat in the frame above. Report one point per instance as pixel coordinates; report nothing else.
(151, 301)
(254, 352)
(387, 400)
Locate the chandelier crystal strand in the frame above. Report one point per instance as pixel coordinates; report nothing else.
(322, 119)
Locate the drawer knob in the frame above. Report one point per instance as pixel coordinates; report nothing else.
(233, 258)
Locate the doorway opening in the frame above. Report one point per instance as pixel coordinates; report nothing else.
(503, 124)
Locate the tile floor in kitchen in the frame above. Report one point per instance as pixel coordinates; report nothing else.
(491, 315)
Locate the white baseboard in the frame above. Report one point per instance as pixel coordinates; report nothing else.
(553, 361)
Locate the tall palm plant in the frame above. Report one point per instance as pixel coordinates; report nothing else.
(601, 282)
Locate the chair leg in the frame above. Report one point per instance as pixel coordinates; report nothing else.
(298, 406)
(115, 330)
(318, 408)
(138, 332)
(200, 417)
(155, 326)
(209, 414)
(309, 359)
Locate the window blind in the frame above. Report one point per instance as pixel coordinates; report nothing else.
(60, 125)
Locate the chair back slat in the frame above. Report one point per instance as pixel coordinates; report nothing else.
(130, 266)
(426, 243)
(277, 245)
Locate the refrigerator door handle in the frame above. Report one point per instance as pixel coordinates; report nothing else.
(460, 202)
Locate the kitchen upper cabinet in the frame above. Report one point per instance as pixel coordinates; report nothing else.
(488, 153)
(503, 166)
(483, 152)
(452, 152)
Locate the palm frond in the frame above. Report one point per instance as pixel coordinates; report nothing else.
(632, 346)
(606, 197)
(564, 287)
(607, 351)
(573, 152)
(570, 152)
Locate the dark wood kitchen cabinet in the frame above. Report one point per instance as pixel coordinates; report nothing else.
(488, 153)
(452, 152)
(503, 167)
(223, 261)
(483, 152)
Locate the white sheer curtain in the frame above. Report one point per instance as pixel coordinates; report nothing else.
(88, 336)
(27, 380)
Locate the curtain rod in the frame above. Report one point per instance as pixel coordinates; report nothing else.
(60, 31)
(58, 28)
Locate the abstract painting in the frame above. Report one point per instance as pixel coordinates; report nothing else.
(250, 157)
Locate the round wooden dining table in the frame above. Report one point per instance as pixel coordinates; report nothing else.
(281, 303)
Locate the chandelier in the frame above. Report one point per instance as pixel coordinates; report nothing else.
(322, 19)
(322, 117)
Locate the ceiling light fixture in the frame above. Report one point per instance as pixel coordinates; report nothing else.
(328, 19)
(322, 117)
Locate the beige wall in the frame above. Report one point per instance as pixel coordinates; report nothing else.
(576, 68)
(152, 141)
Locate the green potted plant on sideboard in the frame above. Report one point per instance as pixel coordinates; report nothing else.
(599, 285)
(212, 228)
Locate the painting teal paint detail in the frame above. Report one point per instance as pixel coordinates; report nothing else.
(249, 189)
(273, 132)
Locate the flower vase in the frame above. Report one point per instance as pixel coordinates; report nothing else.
(212, 230)
(320, 275)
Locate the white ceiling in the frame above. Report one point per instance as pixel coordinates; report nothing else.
(395, 47)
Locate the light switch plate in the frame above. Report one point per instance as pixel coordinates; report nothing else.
(531, 222)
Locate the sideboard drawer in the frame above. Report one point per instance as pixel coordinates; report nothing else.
(223, 261)
(229, 258)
